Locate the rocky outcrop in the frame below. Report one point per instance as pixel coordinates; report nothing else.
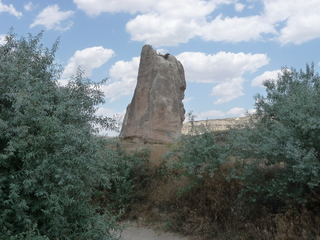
(214, 124)
(156, 112)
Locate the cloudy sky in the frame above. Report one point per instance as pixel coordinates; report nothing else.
(227, 47)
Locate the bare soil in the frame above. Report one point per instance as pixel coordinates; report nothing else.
(135, 232)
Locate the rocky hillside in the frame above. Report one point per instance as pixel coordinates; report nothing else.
(215, 124)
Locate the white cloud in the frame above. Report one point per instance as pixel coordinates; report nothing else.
(87, 59)
(236, 112)
(167, 22)
(228, 91)
(29, 6)
(123, 87)
(219, 67)
(252, 111)
(164, 25)
(301, 19)
(2, 39)
(10, 9)
(124, 76)
(239, 7)
(161, 23)
(63, 81)
(107, 112)
(214, 114)
(223, 68)
(96, 7)
(299, 30)
(52, 18)
(257, 81)
(168, 7)
(187, 99)
(122, 69)
(158, 30)
(236, 29)
(161, 50)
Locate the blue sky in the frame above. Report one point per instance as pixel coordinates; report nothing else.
(227, 47)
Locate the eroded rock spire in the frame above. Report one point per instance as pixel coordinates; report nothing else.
(156, 112)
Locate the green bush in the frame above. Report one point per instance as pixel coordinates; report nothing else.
(197, 154)
(278, 152)
(130, 173)
(50, 158)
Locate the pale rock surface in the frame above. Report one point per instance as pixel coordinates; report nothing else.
(214, 124)
(156, 112)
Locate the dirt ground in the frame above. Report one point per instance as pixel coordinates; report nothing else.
(135, 232)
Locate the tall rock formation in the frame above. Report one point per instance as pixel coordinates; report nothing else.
(156, 112)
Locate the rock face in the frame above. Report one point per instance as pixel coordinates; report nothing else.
(156, 112)
(215, 124)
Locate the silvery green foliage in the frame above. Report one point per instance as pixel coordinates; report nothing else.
(278, 153)
(130, 173)
(197, 154)
(50, 158)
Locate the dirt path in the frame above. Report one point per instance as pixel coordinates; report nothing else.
(135, 232)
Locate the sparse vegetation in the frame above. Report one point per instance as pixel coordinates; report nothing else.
(165, 56)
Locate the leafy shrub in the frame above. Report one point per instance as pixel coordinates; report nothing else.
(197, 154)
(129, 173)
(49, 157)
(31, 234)
(279, 151)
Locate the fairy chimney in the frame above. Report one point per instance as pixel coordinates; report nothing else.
(156, 112)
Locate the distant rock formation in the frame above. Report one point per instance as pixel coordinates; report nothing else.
(214, 124)
(156, 112)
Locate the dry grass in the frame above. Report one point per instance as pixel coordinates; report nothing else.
(213, 210)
